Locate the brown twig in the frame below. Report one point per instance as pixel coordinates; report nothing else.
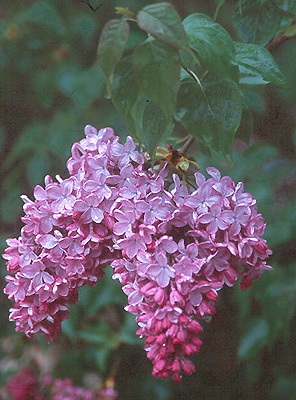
(186, 145)
(279, 40)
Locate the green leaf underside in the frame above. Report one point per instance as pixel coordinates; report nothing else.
(212, 44)
(288, 6)
(256, 21)
(125, 91)
(112, 43)
(154, 124)
(255, 338)
(157, 68)
(245, 129)
(257, 66)
(212, 115)
(162, 21)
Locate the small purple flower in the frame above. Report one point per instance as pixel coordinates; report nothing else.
(124, 224)
(36, 272)
(241, 216)
(202, 287)
(127, 152)
(89, 209)
(202, 199)
(161, 271)
(154, 209)
(61, 195)
(179, 191)
(98, 187)
(132, 245)
(216, 219)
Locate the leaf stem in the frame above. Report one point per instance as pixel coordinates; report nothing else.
(186, 145)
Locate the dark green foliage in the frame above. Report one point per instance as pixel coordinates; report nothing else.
(157, 69)
(211, 111)
(212, 44)
(162, 21)
(257, 21)
(112, 43)
(257, 67)
(204, 50)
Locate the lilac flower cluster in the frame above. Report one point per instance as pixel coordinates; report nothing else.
(26, 385)
(66, 390)
(172, 249)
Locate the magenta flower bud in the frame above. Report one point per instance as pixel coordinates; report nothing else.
(173, 331)
(159, 296)
(161, 339)
(194, 327)
(182, 336)
(187, 366)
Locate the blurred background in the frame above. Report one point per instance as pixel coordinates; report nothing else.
(50, 88)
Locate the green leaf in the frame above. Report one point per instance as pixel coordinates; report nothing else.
(154, 127)
(212, 113)
(278, 287)
(37, 168)
(212, 43)
(84, 29)
(245, 129)
(255, 338)
(256, 21)
(157, 68)
(162, 21)
(288, 6)
(257, 66)
(125, 92)
(32, 140)
(112, 43)
(219, 3)
(11, 205)
(44, 14)
(128, 331)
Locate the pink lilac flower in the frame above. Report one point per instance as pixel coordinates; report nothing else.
(172, 250)
(161, 271)
(26, 385)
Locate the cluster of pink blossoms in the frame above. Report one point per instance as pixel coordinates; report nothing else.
(171, 249)
(26, 385)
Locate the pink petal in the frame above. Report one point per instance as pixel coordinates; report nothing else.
(48, 241)
(96, 215)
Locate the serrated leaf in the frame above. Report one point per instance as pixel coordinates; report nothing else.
(256, 21)
(125, 91)
(257, 66)
(157, 68)
(212, 43)
(154, 126)
(112, 43)
(211, 113)
(162, 21)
